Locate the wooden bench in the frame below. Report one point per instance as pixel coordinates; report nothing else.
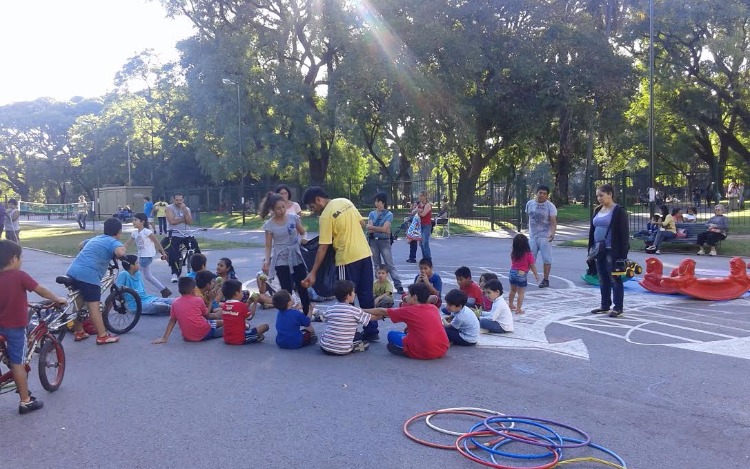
(691, 230)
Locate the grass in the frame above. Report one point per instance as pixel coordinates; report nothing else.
(65, 240)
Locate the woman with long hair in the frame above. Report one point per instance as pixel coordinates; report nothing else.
(284, 233)
(286, 193)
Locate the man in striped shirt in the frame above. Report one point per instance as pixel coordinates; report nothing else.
(342, 320)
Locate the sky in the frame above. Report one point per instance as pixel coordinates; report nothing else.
(67, 48)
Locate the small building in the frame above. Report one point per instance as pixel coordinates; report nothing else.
(109, 198)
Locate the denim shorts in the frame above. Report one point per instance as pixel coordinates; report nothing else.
(215, 332)
(517, 279)
(15, 344)
(145, 261)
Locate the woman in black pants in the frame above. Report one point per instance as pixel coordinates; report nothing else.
(610, 225)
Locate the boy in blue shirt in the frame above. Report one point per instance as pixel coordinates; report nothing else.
(432, 280)
(87, 271)
(462, 326)
(293, 329)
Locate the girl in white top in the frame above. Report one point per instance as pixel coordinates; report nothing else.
(147, 242)
(499, 319)
(292, 208)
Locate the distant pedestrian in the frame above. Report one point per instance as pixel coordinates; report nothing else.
(542, 227)
(160, 211)
(148, 208)
(12, 225)
(2, 216)
(82, 211)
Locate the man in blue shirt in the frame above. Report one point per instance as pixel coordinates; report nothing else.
(87, 271)
(148, 207)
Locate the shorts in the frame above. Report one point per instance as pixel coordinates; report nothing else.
(215, 332)
(541, 245)
(89, 292)
(251, 335)
(145, 261)
(514, 278)
(15, 344)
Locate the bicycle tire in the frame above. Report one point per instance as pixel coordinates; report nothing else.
(51, 358)
(188, 260)
(118, 317)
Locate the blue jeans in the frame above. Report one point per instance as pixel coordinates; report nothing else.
(381, 248)
(611, 287)
(663, 236)
(158, 307)
(424, 243)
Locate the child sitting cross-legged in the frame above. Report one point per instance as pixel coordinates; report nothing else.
(191, 314)
(236, 313)
(197, 264)
(208, 289)
(462, 326)
(499, 319)
(426, 338)
(293, 329)
(342, 319)
(382, 289)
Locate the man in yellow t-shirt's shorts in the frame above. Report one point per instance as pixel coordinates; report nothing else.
(341, 227)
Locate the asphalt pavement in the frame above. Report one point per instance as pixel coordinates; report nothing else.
(664, 386)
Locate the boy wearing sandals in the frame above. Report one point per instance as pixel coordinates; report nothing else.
(236, 315)
(191, 313)
(14, 317)
(87, 271)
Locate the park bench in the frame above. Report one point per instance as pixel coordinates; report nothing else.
(691, 231)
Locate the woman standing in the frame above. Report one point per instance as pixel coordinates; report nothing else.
(610, 227)
(286, 193)
(379, 236)
(283, 237)
(82, 211)
(423, 210)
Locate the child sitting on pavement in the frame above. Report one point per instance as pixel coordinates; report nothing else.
(499, 319)
(462, 326)
(208, 289)
(382, 288)
(431, 280)
(426, 338)
(14, 317)
(191, 314)
(197, 264)
(131, 277)
(342, 319)
(236, 315)
(293, 329)
(469, 286)
(483, 279)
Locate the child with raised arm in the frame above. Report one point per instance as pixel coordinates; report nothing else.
(382, 288)
(147, 243)
(293, 329)
(499, 319)
(342, 320)
(431, 280)
(426, 338)
(191, 314)
(236, 315)
(462, 326)
(14, 317)
(521, 261)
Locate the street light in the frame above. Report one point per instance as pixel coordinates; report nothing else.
(227, 81)
(128, 150)
(652, 193)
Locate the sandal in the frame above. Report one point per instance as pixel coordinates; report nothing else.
(519, 311)
(107, 339)
(82, 335)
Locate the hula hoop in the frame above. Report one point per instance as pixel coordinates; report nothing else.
(450, 432)
(520, 419)
(493, 449)
(435, 412)
(608, 451)
(473, 457)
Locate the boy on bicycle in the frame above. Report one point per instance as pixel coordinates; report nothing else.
(87, 271)
(14, 317)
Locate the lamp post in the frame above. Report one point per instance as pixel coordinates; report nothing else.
(227, 81)
(652, 193)
(127, 145)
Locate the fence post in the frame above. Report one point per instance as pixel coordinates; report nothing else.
(491, 187)
(520, 199)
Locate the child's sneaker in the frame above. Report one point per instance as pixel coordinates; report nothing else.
(107, 339)
(31, 406)
(360, 346)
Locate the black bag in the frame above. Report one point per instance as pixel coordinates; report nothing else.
(599, 249)
(326, 275)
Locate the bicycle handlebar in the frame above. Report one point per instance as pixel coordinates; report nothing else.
(187, 233)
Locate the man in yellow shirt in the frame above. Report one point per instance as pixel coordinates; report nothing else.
(341, 228)
(160, 210)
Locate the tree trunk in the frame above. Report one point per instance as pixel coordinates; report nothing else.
(467, 185)
(561, 165)
(318, 164)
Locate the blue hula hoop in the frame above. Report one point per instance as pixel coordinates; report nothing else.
(552, 446)
(506, 432)
(604, 450)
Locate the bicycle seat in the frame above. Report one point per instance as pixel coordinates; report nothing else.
(65, 280)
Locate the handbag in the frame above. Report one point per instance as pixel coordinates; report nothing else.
(414, 232)
(599, 249)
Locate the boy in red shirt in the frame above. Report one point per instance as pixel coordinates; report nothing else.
(236, 313)
(14, 317)
(426, 338)
(191, 313)
(469, 286)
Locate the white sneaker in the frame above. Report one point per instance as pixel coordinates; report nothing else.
(174, 278)
(657, 252)
(712, 253)
(701, 252)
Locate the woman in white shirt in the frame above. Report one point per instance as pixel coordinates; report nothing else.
(285, 192)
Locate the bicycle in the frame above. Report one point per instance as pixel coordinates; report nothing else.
(121, 310)
(187, 248)
(41, 340)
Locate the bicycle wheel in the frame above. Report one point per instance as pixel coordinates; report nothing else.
(51, 363)
(188, 259)
(122, 310)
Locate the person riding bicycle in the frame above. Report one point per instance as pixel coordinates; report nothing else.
(87, 271)
(178, 219)
(14, 317)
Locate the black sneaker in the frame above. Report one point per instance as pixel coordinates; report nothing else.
(371, 337)
(544, 283)
(411, 261)
(599, 311)
(615, 313)
(395, 350)
(31, 406)
(400, 290)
